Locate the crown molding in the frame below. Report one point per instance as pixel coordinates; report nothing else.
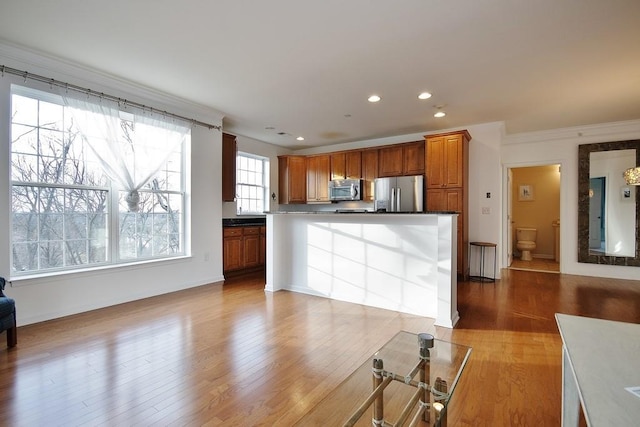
(37, 62)
(614, 131)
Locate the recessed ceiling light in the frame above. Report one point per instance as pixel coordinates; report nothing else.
(300, 138)
(424, 95)
(374, 98)
(439, 114)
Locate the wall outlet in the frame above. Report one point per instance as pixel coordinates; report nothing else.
(486, 211)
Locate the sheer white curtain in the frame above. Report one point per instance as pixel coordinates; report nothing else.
(130, 149)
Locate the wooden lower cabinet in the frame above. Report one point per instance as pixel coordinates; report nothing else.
(233, 249)
(244, 248)
(251, 240)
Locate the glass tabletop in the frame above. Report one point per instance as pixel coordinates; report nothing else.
(414, 375)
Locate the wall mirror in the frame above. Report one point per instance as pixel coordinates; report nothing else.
(608, 209)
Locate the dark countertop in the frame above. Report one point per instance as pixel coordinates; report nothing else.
(243, 222)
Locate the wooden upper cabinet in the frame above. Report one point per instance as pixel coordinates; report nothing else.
(402, 159)
(318, 178)
(229, 152)
(369, 173)
(390, 161)
(447, 160)
(413, 158)
(353, 164)
(292, 179)
(338, 166)
(346, 165)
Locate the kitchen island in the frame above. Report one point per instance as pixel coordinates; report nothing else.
(401, 262)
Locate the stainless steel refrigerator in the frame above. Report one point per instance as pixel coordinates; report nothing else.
(399, 194)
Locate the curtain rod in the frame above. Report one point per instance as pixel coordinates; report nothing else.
(53, 82)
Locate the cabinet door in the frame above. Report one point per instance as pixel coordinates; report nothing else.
(229, 152)
(251, 248)
(346, 165)
(338, 166)
(413, 158)
(453, 152)
(445, 200)
(435, 160)
(353, 165)
(318, 178)
(444, 159)
(292, 179)
(232, 250)
(390, 161)
(369, 173)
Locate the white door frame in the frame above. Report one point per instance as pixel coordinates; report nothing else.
(506, 167)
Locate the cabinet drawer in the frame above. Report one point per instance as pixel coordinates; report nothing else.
(232, 231)
(249, 231)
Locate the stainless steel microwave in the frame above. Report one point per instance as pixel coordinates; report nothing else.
(345, 189)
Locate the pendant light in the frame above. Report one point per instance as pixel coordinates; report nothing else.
(632, 176)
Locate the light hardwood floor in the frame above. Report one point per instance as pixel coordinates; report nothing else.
(536, 264)
(234, 355)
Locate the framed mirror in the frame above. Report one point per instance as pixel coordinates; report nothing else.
(608, 209)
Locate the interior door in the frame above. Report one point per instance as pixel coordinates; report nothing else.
(509, 217)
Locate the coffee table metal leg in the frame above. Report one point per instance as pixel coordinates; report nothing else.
(378, 408)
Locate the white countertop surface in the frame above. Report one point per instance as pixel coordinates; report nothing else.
(605, 359)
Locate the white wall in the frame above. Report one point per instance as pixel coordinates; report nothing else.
(561, 146)
(39, 299)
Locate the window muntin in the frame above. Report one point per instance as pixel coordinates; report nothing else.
(252, 188)
(66, 213)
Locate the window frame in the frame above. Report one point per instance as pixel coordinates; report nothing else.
(266, 171)
(113, 252)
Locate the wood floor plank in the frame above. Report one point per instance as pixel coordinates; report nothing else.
(233, 354)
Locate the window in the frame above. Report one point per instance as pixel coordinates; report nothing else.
(68, 212)
(252, 186)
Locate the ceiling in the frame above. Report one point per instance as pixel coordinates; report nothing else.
(280, 69)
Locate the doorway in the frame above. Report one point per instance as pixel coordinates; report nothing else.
(533, 205)
(597, 211)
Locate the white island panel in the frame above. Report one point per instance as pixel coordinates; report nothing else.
(397, 262)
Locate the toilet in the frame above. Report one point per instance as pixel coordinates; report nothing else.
(526, 242)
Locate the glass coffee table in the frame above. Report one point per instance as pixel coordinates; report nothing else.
(407, 382)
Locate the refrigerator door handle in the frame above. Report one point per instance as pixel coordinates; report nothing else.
(393, 200)
(398, 199)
